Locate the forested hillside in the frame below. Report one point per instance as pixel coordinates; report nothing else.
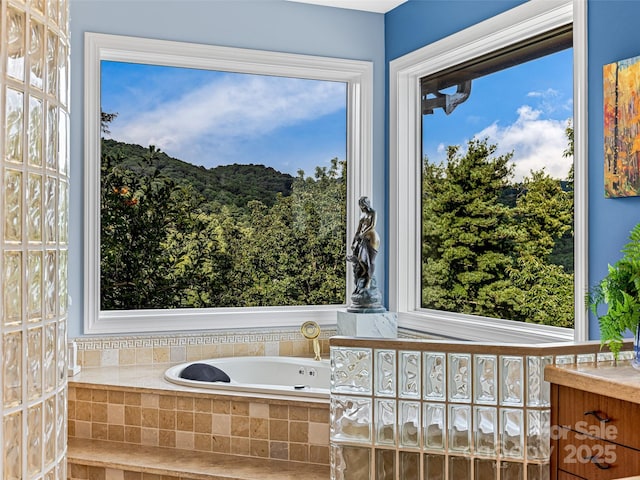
(225, 185)
(176, 236)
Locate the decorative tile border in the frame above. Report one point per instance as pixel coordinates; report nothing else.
(152, 349)
(180, 347)
(175, 340)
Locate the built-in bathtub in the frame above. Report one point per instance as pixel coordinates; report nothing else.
(138, 421)
(272, 375)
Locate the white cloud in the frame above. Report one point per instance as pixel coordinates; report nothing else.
(229, 110)
(535, 142)
(548, 93)
(551, 101)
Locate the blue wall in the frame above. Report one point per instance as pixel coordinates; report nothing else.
(260, 24)
(420, 22)
(299, 28)
(613, 35)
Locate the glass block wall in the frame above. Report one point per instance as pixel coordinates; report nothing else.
(411, 410)
(34, 119)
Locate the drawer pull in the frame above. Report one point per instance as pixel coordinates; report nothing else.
(596, 413)
(601, 465)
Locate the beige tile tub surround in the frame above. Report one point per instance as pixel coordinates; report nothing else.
(178, 348)
(158, 414)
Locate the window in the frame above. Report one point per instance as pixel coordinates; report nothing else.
(240, 199)
(205, 305)
(497, 187)
(440, 76)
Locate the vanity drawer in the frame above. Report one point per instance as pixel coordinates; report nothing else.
(580, 411)
(596, 459)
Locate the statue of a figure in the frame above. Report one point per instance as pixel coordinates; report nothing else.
(366, 242)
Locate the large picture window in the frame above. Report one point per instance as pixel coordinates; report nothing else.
(488, 183)
(497, 187)
(220, 189)
(225, 180)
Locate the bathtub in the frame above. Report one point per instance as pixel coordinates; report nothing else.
(303, 377)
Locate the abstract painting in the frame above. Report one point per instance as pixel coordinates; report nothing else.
(622, 128)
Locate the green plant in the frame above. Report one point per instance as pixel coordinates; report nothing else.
(620, 291)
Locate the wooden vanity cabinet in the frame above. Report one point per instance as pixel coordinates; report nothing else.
(595, 434)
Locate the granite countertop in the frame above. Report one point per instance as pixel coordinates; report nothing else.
(621, 381)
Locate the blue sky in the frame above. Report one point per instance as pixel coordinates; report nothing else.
(216, 118)
(524, 109)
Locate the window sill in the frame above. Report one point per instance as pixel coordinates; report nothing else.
(480, 329)
(183, 320)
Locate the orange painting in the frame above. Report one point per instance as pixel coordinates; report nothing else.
(622, 128)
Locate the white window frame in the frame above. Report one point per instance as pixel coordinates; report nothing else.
(358, 75)
(525, 21)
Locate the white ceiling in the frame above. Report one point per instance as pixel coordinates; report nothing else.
(378, 6)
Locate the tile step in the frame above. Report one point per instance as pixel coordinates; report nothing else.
(186, 464)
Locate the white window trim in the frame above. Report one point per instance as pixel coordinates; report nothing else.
(358, 75)
(527, 20)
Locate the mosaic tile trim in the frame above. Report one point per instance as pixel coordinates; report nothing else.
(108, 343)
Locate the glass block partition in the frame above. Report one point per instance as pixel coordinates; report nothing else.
(412, 410)
(34, 121)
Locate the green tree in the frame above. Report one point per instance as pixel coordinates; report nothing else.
(105, 120)
(193, 249)
(562, 253)
(292, 253)
(488, 244)
(467, 233)
(544, 214)
(136, 213)
(319, 212)
(544, 292)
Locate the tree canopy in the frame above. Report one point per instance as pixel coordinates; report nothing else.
(492, 246)
(262, 238)
(175, 235)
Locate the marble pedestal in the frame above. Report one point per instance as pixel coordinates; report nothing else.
(372, 325)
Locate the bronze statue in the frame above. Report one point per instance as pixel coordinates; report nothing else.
(364, 247)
